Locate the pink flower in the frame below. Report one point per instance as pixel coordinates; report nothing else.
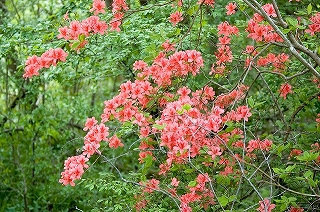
(269, 9)
(231, 8)
(66, 16)
(168, 46)
(143, 155)
(139, 65)
(214, 151)
(315, 26)
(226, 29)
(73, 169)
(285, 89)
(207, 2)
(151, 185)
(115, 142)
(90, 123)
(175, 18)
(98, 7)
(295, 152)
(296, 209)
(265, 206)
(119, 5)
(47, 59)
(175, 182)
(243, 112)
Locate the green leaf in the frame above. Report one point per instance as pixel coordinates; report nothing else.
(192, 10)
(192, 183)
(277, 170)
(174, 168)
(300, 13)
(187, 107)
(159, 127)
(148, 161)
(292, 21)
(308, 174)
(251, 102)
(223, 180)
(75, 45)
(307, 156)
(309, 9)
(180, 112)
(259, 103)
(292, 199)
(81, 37)
(188, 171)
(223, 200)
(290, 168)
(318, 51)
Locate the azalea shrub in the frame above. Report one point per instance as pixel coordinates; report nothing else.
(221, 114)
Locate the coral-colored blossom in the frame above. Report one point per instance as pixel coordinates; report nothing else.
(73, 169)
(269, 9)
(175, 182)
(150, 185)
(47, 59)
(231, 8)
(90, 123)
(168, 46)
(139, 65)
(314, 27)
(115, 142)
(285, 89)
(295, 152)
(98, 7)
(266, 206)
(207, 2)
(175, 18)
(296, 209)
(257, 144)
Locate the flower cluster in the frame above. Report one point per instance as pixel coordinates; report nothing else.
(91, 25)
(207, 2)
(197, 193)
(73, 169)
(223, 53)
(175, 18)
(257, 144)
(150, 185)
(96, 133)
(177, 65)
(315, 26)
(263, 32)
(47, 59)
(118, 8)
(276, 61)
(188, 121)
(269, 9)
(98, 7)
(231, 8)
(266, 206)
(77, 31)
(285, 89)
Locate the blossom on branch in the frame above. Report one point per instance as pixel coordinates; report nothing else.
(231, 8)
(285, 89)
(175, 18)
